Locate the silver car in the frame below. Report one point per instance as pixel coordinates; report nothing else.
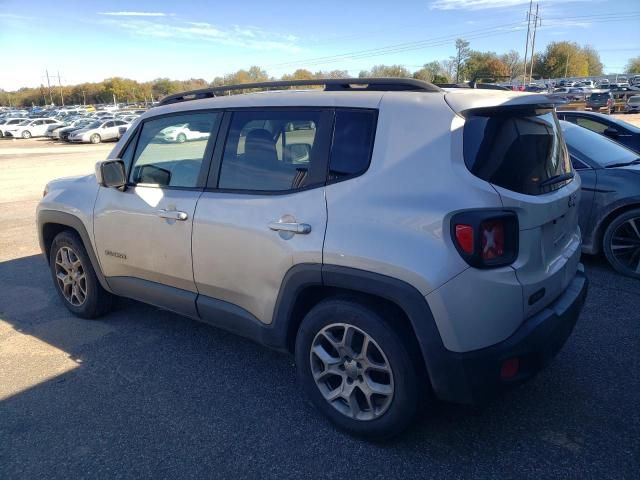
(401, 241)
(99, 131)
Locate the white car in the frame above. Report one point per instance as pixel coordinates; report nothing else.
(99, 131)
(183, 132)
(31, 128)
(9, 122)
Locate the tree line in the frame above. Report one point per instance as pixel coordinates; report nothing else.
(559, 59)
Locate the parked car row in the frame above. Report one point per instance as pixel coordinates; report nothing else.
(66, 125)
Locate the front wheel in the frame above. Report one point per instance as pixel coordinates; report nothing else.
(75, 279)
(621, 243)
(26, 134)
(95, 138)
(356, 369)
(181, 138)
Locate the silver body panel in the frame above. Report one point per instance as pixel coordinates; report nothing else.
(239, 259)
(132, 240)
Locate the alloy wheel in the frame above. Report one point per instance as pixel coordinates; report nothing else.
(71, 277)
(625, 244)
(351, 371)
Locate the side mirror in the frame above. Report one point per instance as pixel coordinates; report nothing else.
(611, 132)
(111, 174)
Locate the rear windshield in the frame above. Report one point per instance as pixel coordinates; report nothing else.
(516, 149)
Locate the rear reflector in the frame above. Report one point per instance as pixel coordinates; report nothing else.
(464, 237)
(510, 368)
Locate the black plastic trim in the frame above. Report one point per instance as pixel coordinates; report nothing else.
(163, 296)
(62, 218)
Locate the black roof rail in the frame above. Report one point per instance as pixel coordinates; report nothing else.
(330, 84)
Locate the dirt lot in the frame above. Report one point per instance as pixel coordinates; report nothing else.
(146, 393)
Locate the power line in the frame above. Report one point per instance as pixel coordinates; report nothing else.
(443, 40)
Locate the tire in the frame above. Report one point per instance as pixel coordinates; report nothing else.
(26, 134)
(624, 233)
(95, 138)
(83, 295)
(181, 138)
(383, 416)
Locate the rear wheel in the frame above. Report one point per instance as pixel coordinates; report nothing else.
(95, 138)
(356, 369)
(26, 134)
(621, 243)
(75, 279)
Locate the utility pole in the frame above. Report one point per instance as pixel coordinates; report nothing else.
(49, 85)
(566, 67)
(536, 22)
(84, 99)
(60, 84)
(526, 47)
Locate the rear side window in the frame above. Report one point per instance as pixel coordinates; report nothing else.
(516, 149)
(353, 136)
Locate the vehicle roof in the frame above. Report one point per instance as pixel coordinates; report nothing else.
(459, 99)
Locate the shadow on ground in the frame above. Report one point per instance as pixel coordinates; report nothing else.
(153, 394)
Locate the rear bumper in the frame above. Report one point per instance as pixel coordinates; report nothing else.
(473, 377)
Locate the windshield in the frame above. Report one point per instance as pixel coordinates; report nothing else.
(599, 96)
(595, 147)
(515, 148)
(635, 99)
(94, 125)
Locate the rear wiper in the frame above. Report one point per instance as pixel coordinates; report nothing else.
(624, 164)
(557, 179)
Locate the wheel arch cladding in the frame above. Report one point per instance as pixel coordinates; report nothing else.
(307, 284)
(51, 223)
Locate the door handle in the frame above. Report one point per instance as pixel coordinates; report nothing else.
(292, 227)
(173, 214)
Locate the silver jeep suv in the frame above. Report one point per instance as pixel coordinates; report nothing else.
(402, 241)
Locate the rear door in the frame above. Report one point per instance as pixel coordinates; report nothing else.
(264, 209)
(521, 152)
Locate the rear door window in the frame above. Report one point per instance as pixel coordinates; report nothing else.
(516, 148)
(275, 151)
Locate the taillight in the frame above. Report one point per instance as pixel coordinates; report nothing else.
(486, 238)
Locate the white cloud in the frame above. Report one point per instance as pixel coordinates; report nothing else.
(134, 14)
(474, 4)
(236, 36)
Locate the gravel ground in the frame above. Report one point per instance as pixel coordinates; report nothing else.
(144, 393)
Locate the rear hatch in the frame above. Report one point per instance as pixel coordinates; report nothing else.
(520, 151)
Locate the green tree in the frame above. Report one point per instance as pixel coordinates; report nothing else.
(462, 54)
(431, 72)
(633, 65)
(567, 59)
(513, 62)
(386, 71)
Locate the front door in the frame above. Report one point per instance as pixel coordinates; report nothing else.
(143, 234)
(265, 210)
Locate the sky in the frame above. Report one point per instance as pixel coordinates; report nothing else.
(181, 39)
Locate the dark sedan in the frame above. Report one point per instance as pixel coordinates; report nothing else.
(610, 203)
(622, 132)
